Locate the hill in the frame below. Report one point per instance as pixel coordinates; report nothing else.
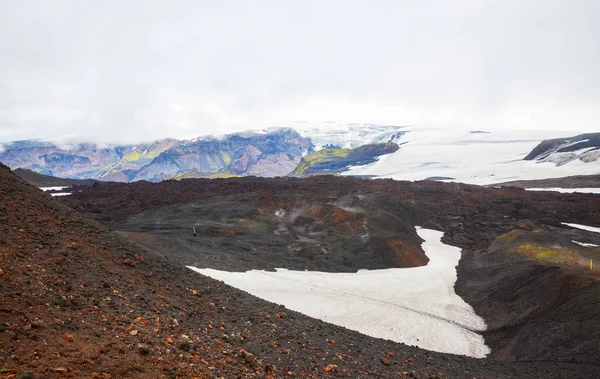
(40, 180)
(337, 160)
(577, 181)
(560, 151)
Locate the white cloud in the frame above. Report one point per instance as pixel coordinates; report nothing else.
(135, 70)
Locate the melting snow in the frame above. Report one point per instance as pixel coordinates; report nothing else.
(583, 227)
(585, 244)
(415, 306)
(60, 194)
(53, 188)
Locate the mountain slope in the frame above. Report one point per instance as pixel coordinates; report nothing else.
(349, 136)
(336, 160)
(578, 181)
(134, 160)
(583, 147)
(40, 180)
(272, 153)
(81, 161)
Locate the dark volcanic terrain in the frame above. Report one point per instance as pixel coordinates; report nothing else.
(78, 300)
(578, 181)
(520, 269)
(40, 180)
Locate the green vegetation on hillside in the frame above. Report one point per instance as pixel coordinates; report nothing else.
(335, 160)
(321, 156)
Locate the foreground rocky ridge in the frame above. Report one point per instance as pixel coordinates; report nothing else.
(577, 181)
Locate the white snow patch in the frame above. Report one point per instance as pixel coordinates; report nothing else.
(585, 244)
(415, 306)
(583, 227)
(567, 190)
(60, 194)
(53, 188)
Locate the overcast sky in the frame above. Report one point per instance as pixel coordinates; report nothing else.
(137, 70)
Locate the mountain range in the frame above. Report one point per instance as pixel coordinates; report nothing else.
(266, 154)
(376, 151)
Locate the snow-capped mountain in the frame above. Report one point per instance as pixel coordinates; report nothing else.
(351, 135)
(413, 153)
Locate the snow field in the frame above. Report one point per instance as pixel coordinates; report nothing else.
(415, 306)
(470, 157)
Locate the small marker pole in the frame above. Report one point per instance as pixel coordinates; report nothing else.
(591, 265)
(193, 227)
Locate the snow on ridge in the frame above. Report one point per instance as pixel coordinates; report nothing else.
(352, 135)
(416, 306)
(583, 227)
(55, 188)
(584, 244)
(60, 194)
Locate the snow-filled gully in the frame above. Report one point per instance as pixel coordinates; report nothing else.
(415, 306)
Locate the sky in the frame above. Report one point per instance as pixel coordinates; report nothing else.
(133, 71)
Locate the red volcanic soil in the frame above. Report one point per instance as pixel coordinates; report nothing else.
(77, 300)
(404, 255)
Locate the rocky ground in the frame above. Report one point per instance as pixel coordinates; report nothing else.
(77, 300)
(578, 181)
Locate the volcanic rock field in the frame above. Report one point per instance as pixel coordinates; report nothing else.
(95, 284)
